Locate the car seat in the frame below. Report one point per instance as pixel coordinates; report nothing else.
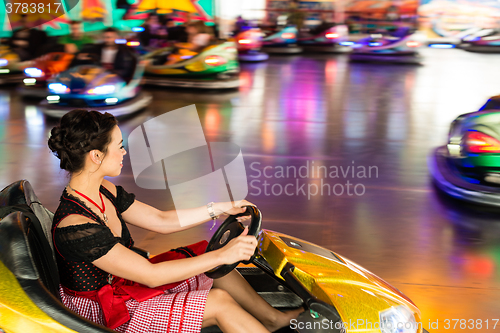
(26, 251)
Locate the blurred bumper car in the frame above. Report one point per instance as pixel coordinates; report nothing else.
(486, 41)
(215, 67)
(468, 166)
(399, 47)
(284, 41)
(447, 37)
(339, 295)
(93, 87)
(249, 46)
(11, 67)
(41, 71)
(333, 40)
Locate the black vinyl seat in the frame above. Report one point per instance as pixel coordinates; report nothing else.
(26, 250)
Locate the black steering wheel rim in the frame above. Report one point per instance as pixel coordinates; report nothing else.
(229, 229)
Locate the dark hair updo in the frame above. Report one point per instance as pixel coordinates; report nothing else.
(79, 132)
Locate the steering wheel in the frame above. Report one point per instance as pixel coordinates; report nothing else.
(232, 228)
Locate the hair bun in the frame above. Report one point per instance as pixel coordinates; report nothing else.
(56, 140)
(79, 132)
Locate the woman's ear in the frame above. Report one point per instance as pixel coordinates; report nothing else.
(96, 156)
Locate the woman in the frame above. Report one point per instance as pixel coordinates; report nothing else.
(105, 281)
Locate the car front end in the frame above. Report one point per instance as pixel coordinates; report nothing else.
(468, 166)
(339, 295)
(93, 87)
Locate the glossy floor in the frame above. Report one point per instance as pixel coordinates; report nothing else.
(320, 110)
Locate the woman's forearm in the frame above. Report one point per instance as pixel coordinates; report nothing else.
(182, 219)
(166, 222)
(182, 269)
(121, 261)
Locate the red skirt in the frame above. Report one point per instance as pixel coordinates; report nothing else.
(177, 307)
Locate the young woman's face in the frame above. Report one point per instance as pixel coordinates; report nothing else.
(112, 163)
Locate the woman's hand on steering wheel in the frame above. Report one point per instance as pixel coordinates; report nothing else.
(238, 249)
(233, 209)
(234, 242)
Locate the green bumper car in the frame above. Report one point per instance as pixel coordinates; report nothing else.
(468, 166)
(215, 67)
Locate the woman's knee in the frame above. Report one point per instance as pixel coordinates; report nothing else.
(220, 297)
(219, 302)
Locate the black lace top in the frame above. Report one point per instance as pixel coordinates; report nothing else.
(77, 246)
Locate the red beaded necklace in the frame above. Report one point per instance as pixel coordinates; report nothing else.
(93, 202)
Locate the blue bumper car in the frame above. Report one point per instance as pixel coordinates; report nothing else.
(93, 87)
(399, 47)
(284, 41)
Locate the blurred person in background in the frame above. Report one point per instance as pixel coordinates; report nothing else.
(154, 33)
(182, 28)
(269, 24)
(27, 42)
(215, 28)
(392, 13)
(74, 42)
(118, 58)
(176, 33)
(295, 16)
(326, 23)
(199, 37)
(239, 25)
(188, 19)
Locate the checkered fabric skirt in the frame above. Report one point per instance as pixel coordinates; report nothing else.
(179, 309)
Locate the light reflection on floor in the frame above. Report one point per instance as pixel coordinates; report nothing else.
(297, 110)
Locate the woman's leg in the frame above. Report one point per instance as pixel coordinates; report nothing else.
(241, 291)
(222, 310)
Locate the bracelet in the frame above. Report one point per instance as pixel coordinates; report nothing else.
(211, 211)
